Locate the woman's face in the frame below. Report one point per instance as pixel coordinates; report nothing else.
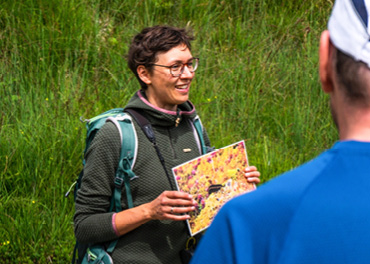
(165, 90)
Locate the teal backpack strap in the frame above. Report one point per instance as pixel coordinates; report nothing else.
(199, 128)
(127, 159)
(95, 123)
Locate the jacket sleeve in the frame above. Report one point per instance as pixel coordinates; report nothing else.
(93, 221)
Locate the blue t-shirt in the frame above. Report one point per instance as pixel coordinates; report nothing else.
(317, 213)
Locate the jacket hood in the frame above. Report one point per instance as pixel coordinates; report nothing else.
(160, 116)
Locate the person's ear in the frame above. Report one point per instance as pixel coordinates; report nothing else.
(326, 62)
(144, 74)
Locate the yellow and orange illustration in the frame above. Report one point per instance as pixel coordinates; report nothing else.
(213, 179)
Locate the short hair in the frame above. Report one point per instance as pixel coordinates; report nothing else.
(151, 41)
(353, 78)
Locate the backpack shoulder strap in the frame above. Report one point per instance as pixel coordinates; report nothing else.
(143, 123)
(92, 127)
(124, 173)
(199, 128)
(146, 127)
(95, 123)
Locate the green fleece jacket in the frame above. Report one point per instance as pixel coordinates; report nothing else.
(156, 241)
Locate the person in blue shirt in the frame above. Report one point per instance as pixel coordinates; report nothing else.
(319, 212)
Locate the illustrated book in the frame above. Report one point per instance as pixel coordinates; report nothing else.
(213, 179)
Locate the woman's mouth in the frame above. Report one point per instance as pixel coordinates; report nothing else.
(182, 87)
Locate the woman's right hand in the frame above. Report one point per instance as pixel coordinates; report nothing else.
(172, 205)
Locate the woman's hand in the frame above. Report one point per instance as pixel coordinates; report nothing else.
(173, 205)
(252, 174)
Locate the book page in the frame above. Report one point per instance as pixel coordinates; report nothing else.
(213, 179)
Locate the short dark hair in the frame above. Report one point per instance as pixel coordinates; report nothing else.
(353, 78)
(153, 40)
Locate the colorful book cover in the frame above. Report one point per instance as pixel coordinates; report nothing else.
(213, 179)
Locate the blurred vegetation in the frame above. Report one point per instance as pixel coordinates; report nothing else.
(59, 60)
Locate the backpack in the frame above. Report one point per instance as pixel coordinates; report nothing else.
(124, 173)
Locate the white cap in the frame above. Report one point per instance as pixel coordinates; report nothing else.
(349, 28)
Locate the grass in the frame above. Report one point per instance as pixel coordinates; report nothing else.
(59, 60)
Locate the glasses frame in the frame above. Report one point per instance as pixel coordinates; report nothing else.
(182, 68)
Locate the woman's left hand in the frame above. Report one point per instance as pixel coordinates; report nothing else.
(252, 174)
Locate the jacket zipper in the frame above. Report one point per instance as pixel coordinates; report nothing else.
(171, 144)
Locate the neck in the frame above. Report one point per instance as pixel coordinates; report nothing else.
(355, 125)
(156, 103)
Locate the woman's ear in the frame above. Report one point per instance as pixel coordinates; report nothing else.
(144, 74)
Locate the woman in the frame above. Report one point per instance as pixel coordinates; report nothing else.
(154, 230)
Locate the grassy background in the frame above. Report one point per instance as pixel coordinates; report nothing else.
(59, 60)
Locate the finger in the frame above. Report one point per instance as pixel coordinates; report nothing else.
(250, 168)
(253, 180)
(178, 195)
(175, 198)
(252, 174)
(175, 210)
(176, 217)
(182, 209)
(182, 203)
(177, 203)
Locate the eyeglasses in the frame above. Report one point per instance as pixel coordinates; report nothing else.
(178, 68)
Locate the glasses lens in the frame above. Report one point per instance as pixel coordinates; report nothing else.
(178, 69)
(193, 65)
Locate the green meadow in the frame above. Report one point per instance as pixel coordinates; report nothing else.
(60, 60)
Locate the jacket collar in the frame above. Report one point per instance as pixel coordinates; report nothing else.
(160, 116)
